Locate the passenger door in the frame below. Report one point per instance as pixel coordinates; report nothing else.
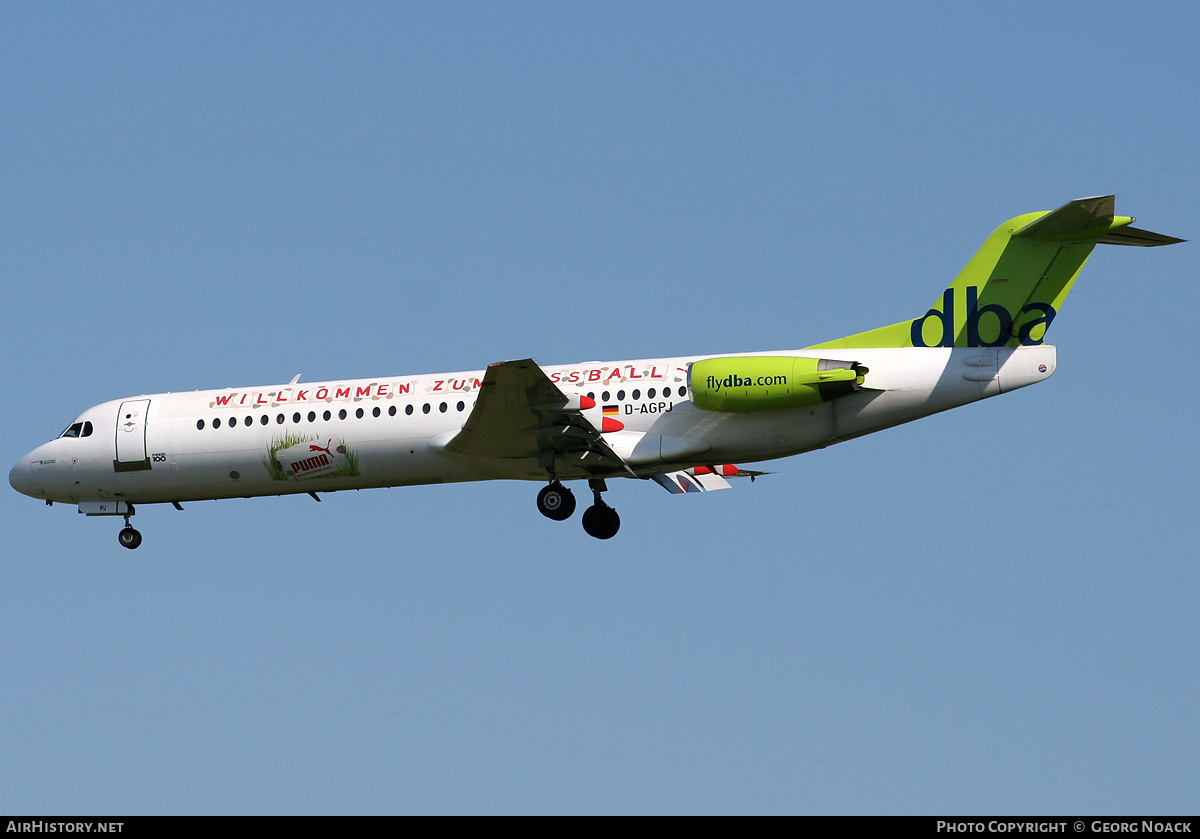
(131, 436)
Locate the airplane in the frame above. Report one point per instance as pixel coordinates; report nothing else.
(683, 422)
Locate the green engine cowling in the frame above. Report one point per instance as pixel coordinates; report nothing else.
(744, 384)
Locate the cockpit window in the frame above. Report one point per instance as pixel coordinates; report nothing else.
(74, 430)
(78, 429)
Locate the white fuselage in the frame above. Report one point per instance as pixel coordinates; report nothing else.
(392, 431)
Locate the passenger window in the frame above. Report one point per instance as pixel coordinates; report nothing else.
(442, 407)
(326, 416)
(666, 393)
(425, 408)
(620, 396)
(200, 425)
(279, 419)
(375, 412)
(461, 405)
(312, 416)
(217, 422)
(682, 390)
(650, 393)
(296, 417)
(408, 409)
(604, 396)
(264, 419)
(359, 413)
(391, 410)
(249, 421)
(342, 414)
(637, 394)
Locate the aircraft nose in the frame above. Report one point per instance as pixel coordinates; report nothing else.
(18, 477)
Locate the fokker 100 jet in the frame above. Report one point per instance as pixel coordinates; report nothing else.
(682, 422)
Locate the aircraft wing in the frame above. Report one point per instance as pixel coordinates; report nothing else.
(679, 483)
(520, 413)
(702, 478)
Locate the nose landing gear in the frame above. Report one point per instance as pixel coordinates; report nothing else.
(128, 537)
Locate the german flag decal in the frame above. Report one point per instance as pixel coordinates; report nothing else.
(610, 421)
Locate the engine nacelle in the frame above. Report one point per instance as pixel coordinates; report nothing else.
(744, 384)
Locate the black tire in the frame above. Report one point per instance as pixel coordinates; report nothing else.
(601, 521)
(556, 502)
(129, 538)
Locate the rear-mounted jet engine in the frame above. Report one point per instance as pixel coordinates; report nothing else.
(745, 384)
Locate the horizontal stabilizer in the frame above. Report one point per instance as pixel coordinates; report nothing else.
(1138, 238)
(1091, 219)
(1080, 216)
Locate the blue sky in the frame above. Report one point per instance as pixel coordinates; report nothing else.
(989, 611)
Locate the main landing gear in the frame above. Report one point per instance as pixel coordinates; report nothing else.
(555, 501)
(128, 537)
(600, 520)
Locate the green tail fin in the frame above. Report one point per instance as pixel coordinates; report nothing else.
(1012, 289)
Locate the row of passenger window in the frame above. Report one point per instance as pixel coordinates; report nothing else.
(443, 407)
(637, 394)
(297, 417)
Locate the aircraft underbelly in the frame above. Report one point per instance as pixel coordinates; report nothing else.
(196, 475)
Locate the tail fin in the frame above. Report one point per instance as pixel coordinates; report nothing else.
(1012, 289)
